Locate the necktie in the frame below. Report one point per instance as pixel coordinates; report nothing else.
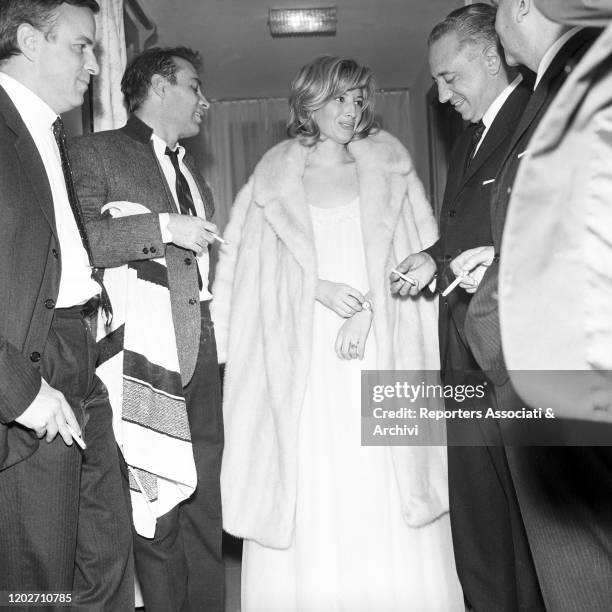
(183, 195)
(60, 138)
(478, 130)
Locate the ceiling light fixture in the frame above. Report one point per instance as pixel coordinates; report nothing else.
(303, 22)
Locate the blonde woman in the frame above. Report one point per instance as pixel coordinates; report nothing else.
(301, 307)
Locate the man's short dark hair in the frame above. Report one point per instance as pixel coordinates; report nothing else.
(474, 24)
(136, 80)
(40, 14)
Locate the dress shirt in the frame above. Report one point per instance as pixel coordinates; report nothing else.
(76, 285)
(552, 51)
(170, 175)
(495, 107)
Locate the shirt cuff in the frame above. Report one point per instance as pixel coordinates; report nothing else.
(166, 234)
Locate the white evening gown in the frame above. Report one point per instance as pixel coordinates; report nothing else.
(351, 551)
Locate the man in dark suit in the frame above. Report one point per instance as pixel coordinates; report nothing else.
(64, 522)
(564, 494)
(180, 567)
(467, 63)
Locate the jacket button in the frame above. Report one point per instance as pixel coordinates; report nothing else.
(188, 261)
(35, 357)
(55, 253)
(452, 213)
(192, 301)
(145, 251)
(153, 249)
(496, 259)
(50, 304)
(448, 258)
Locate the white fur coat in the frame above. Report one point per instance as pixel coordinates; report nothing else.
(263, 305)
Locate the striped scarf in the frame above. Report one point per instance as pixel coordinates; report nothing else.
(139, 366)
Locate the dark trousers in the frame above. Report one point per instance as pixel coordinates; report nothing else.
(181, 569)
(565, 494)
(492, 554)
(64, 519)
(565, 497)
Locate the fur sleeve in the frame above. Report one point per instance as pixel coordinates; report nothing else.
(425, 221)
(221, 305)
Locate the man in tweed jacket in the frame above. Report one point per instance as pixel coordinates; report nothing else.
(180, 568)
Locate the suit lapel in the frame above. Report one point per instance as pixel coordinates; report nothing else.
(532, 110)
(503, 124)
(548, 87)
(204, 189)
(456, 175)
(170, 203)
(582, 80)
(30, 159)
(139, 131)
(550, 82)
(493, 138)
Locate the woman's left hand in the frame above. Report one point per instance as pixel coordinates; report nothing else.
(352, 336)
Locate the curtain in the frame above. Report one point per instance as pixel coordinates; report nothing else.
(233, 138)
(236, 134)
(108, 109)
(393, 115)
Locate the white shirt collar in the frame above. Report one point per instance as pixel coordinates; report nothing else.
(496, 105)
(35, 112)
(159, 145)
(552, 51)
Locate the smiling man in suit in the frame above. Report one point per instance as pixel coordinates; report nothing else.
(64, 523)
(467, 64)
(178, 562)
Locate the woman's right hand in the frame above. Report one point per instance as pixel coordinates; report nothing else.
(343, 299)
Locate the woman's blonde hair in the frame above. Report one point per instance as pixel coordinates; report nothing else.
(320, 81)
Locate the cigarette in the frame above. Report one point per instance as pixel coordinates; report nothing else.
(412, 281)
(218, 238)
(453, 285)
(76, 437)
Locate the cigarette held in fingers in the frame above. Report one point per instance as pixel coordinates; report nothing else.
(412, 281)
(454, 284)
(218, 238)
(76, 437)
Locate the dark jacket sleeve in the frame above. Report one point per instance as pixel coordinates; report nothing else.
(19, 385)
(19, 382)
(435, 251)
(114, 242)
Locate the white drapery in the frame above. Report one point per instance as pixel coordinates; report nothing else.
(237, 133)
(108, 109)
